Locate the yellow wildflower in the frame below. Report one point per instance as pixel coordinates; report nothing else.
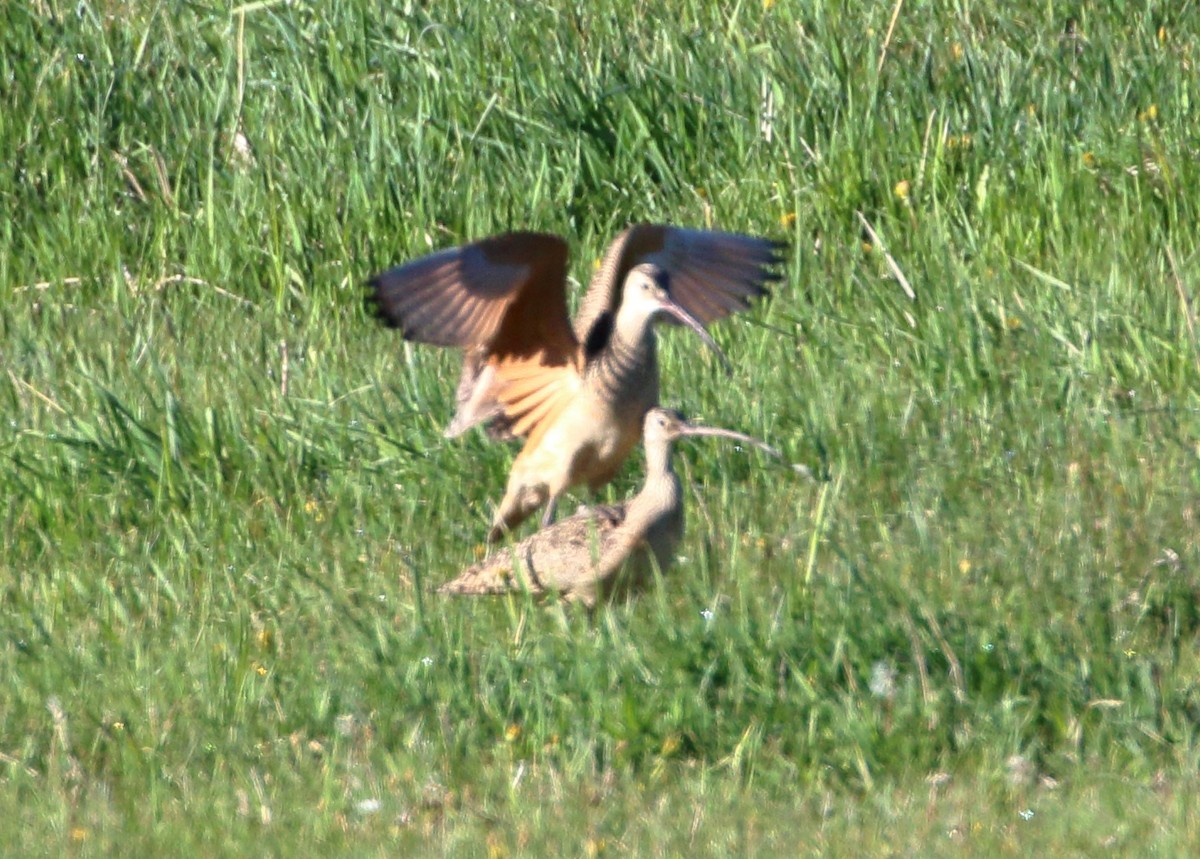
(902, 189)
(265, 638)
(495, 847)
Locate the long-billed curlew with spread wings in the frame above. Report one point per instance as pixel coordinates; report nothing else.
(576, 392)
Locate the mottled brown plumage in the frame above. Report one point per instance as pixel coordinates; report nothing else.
(577, 394)
(606, 549)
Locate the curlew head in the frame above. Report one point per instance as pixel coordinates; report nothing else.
(663, 426)
(647, 295)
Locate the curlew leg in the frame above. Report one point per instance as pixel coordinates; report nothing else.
(548, 513)
(501, 525)
(515, 507)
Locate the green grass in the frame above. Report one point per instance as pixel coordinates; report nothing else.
(229, 501)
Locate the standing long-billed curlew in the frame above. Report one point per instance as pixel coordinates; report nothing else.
(576, 393)
(603, 549)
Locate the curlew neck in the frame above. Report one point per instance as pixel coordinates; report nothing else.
(661, 491)
(658, 460)
(655, 515)
(633, 329)
(629, 362)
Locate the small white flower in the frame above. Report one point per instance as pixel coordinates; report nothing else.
(707, 614)
(1027, 814)
(883, 680)
(427, 661)
(367, 806)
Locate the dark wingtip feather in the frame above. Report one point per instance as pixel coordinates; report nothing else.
(373, 301)
(771, 270)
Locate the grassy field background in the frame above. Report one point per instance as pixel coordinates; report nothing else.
(227, 499)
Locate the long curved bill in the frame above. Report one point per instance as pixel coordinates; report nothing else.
(720, 432)
(675, 310)
(690, 429)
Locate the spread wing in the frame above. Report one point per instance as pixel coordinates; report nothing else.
(530, 395)
(711, 274)
(504, 293)
(503, 301)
